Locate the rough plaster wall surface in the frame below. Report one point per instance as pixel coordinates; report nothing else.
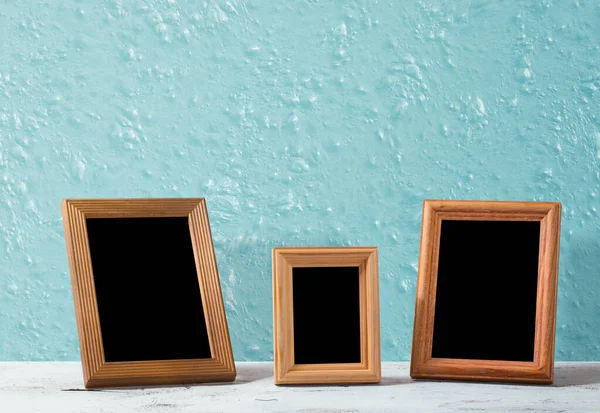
(303, 123)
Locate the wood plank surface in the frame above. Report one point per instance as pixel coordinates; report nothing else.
(57, 387)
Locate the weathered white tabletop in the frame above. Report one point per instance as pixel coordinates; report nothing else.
(57, 387)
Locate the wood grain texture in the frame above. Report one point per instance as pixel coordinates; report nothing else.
(286, 371)
(96, 371)
(541, 370)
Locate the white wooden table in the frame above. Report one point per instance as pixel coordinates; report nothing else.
(57, 387)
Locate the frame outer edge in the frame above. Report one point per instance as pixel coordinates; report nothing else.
(230, 360)
(376, 322)
(280, 368)
(423, 271)
(558, 211)
(274, 304)
(73, 275)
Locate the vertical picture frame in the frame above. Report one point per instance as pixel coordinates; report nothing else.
(147, 297)
(499, 254)
(318, 305)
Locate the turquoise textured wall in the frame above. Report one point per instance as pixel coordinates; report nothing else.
(303, 123)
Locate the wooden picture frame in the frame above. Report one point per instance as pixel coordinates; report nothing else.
(367, 369)
(541, 368)
(97, 372)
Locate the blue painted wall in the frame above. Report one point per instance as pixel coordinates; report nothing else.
(302, 123)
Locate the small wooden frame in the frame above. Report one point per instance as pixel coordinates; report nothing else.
(146, 291)
(311, 285)
(496, 262)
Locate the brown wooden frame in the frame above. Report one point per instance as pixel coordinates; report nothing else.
(96, 371)
(541, 370)
(369, 369)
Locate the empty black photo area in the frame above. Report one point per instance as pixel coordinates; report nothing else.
(486, 290)
(326, 315)
(149, 300)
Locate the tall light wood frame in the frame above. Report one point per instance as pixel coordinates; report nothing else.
(286, 371)
(96, 371)
(541, 370)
